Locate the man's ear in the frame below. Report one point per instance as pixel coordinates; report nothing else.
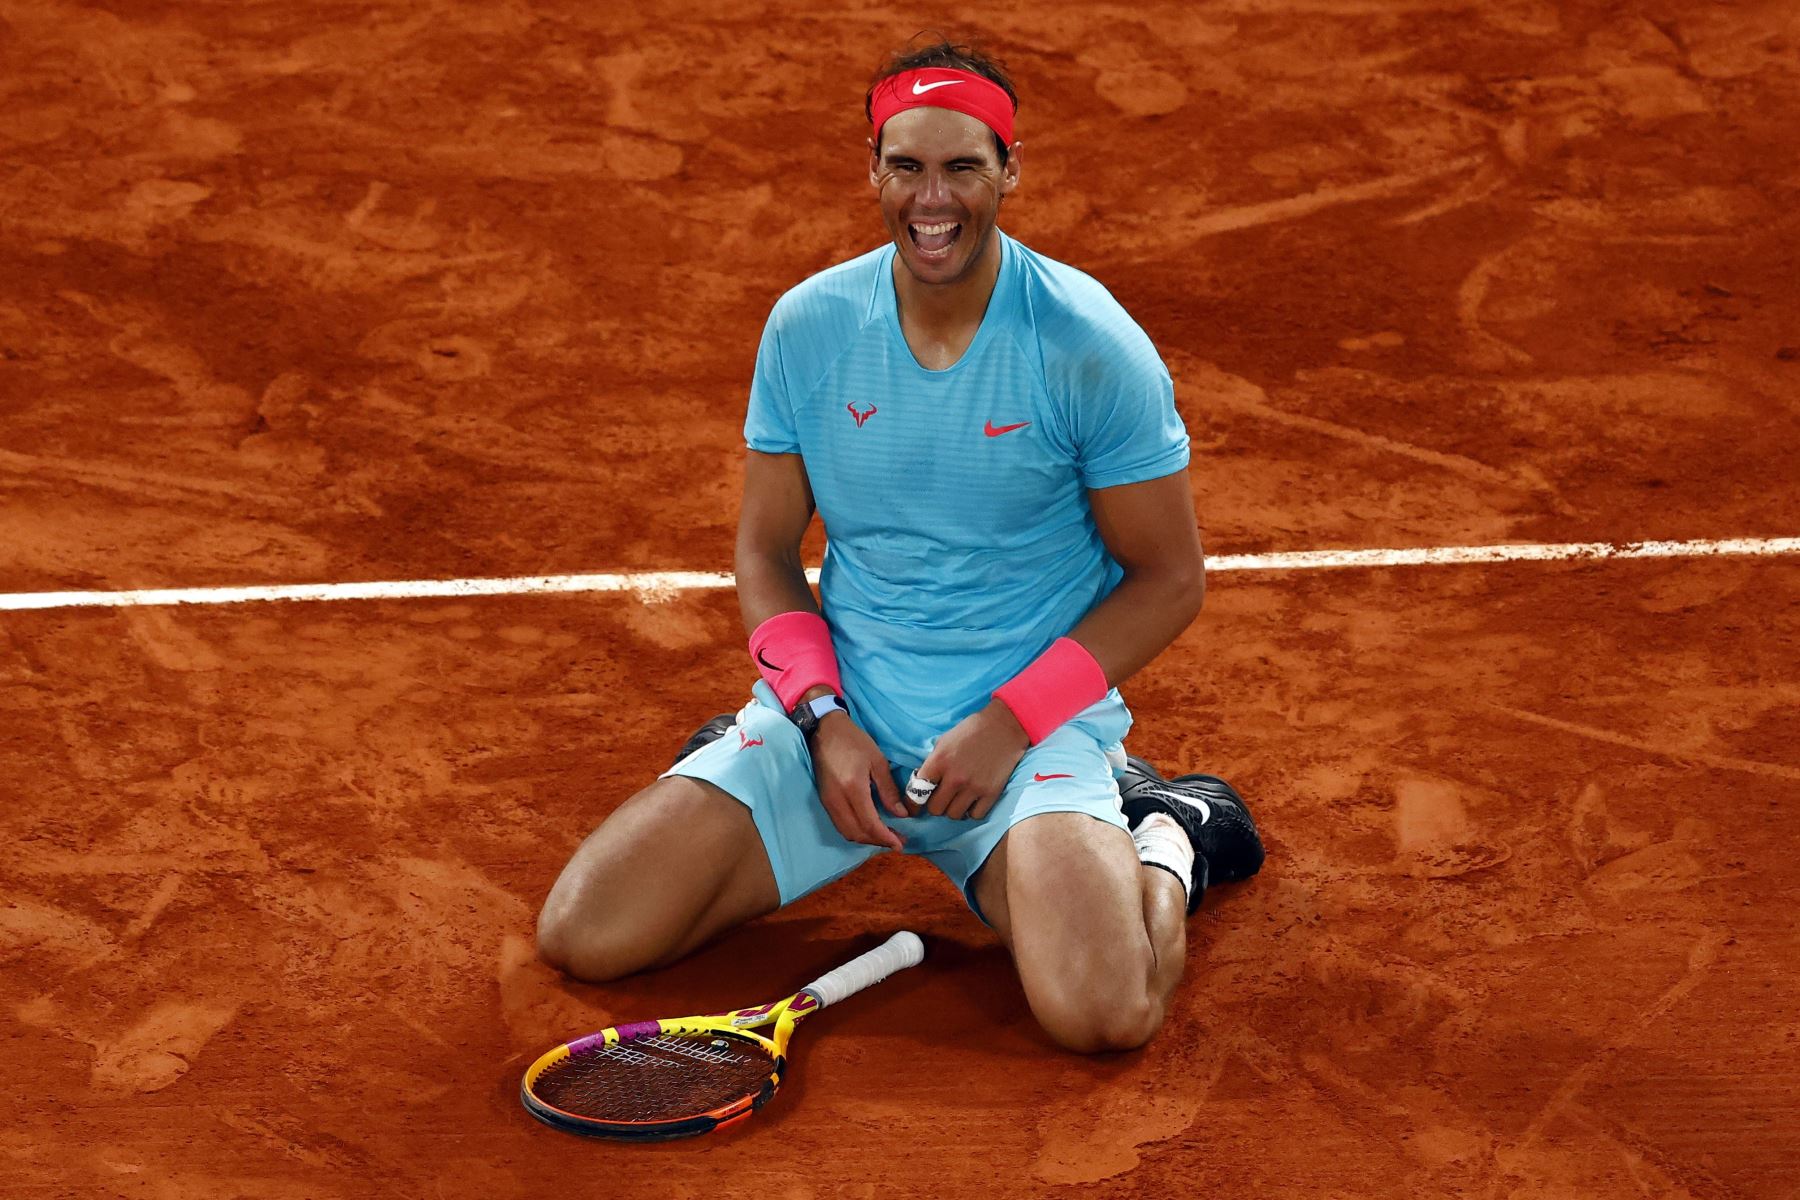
(1015, 163)
(874, 163)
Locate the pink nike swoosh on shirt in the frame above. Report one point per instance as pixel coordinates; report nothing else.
(993, 430)
(1041, 778)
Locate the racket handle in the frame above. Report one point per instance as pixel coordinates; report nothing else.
(902, 950)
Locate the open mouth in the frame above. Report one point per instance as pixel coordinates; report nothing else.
(934, 240)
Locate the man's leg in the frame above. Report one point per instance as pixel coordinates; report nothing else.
(678, 864)
(1098, 938)
(732, 831)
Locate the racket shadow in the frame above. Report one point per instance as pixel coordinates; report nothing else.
(978, 1007)
(831, 1053)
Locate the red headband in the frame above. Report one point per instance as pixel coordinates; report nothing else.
(944, 87)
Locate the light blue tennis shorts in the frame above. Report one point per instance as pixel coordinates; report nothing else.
(763, 761)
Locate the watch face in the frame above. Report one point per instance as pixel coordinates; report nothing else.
(802, 715)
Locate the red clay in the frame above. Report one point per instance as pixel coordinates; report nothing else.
(299, 293)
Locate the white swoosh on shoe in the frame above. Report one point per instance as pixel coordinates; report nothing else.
(1179, 798)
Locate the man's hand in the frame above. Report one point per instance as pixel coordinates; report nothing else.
(972, 763)
(848, 765)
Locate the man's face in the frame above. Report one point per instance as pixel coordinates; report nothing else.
(940, 182)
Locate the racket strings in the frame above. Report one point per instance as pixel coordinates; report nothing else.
(656, 1079)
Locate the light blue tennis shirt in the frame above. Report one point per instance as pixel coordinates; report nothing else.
(960, 538)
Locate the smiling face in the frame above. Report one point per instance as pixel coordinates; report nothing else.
(940, 181)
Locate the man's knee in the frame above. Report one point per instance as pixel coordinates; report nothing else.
(584, 930)
(591, 949)
(1095, 1021)
(1075, 926)
(676, 864)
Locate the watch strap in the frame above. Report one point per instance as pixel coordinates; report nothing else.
(828, 703)
(806, 713)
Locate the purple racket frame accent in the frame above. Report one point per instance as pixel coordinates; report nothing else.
(639, 1029)
(804, 1003)
(627, 1033)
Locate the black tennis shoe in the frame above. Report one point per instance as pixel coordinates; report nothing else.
(710, 732)
(1209, 810)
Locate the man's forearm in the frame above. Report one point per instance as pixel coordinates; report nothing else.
(771, 584)
(768, 585)
(1139, 619)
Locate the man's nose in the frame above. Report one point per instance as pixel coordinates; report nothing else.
(935, 189)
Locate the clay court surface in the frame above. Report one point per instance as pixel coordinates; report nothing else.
(296, 293)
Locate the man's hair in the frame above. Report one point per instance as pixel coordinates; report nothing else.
(943, 53)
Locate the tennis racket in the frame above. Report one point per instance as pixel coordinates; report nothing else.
(677, 1077)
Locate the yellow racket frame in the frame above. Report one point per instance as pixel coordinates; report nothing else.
(741, 1024)
(902, 950)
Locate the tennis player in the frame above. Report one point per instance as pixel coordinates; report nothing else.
(992, 445)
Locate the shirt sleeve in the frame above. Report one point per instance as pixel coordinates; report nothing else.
(1125, 425)
(769, 423)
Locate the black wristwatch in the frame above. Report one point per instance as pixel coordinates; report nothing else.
(807, 713)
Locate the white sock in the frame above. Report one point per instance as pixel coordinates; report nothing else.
(1162, 842)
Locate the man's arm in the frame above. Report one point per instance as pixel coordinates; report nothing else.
(1149, 528)
(777, 507)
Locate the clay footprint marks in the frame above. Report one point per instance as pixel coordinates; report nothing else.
(1098, 1135)
(160, 1048)
(1622, 859)
(1436, 839)
(148, 1055)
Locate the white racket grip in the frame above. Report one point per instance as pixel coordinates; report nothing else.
(919, 789)
(902, 950)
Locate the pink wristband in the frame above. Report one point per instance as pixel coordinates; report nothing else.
(1059, 683)
(793, 652)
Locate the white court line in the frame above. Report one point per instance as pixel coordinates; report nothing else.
(653, 586)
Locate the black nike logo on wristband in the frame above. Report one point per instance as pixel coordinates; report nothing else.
(765, 662)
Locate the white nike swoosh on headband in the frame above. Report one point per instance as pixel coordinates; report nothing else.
(919, 89)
